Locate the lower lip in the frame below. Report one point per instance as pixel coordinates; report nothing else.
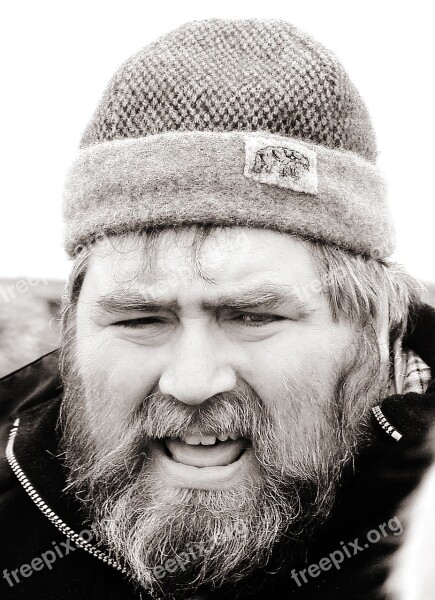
(179, 475)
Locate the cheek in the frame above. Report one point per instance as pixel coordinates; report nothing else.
(295, 363)
(117, 375)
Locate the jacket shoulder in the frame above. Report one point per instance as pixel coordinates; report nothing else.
(28, 386)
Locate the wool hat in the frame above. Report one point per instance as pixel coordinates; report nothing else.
(234, 123)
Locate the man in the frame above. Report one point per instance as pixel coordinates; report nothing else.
(243, 374)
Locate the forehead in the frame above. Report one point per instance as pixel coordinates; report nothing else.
(182, 262)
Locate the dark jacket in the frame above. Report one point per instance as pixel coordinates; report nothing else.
(38, 520)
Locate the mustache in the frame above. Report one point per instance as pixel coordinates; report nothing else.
(240, 411)
(159, 416)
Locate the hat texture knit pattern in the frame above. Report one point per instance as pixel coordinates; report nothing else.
(234, 123)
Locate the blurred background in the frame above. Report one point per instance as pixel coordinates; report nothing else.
(56, 61)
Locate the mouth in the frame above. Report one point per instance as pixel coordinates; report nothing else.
(206, 450)
(203, 461)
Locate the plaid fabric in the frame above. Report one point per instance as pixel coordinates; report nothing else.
(417, 375)
(410, 373)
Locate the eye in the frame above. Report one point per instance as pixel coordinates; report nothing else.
(141, 323)
(256, 319)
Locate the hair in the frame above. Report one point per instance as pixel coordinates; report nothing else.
(359, 288)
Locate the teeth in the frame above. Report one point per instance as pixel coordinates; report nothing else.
(207, 440)
(193, 440)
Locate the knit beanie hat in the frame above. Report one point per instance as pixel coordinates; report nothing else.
(233, 123)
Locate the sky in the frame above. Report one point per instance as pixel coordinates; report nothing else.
(57, 58)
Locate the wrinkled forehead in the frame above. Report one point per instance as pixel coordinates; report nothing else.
(195, 259)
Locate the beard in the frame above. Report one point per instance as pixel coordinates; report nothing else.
(176, 542)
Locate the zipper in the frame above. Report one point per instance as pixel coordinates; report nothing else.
(46, 510)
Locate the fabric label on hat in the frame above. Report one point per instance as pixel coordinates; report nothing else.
(282, 162)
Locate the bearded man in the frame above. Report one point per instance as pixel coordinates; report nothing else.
(243, 374)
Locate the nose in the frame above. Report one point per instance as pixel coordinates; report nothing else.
(197, 368)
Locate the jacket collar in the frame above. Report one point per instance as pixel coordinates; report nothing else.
(420, 336)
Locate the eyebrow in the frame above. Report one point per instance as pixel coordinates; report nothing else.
(119, 302)
(267, 295)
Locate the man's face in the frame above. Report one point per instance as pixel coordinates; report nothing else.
(210, 377)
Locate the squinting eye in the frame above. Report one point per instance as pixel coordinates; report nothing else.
(140, 323)
(256, 319)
